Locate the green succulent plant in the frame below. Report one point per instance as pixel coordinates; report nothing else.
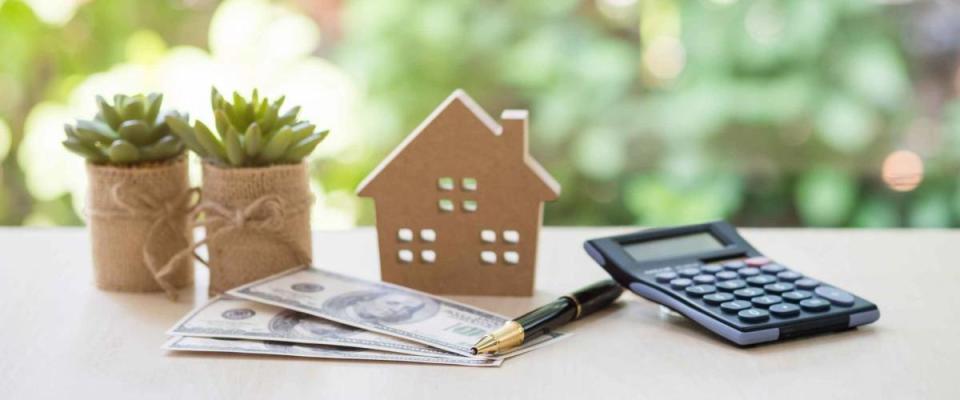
(129, 131)
(250, 132)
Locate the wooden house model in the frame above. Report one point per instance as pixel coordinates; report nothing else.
(459, 203)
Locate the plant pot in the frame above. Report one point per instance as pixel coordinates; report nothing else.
(138, 221)
(257, 222)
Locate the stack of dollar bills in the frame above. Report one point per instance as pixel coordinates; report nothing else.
(309, 312)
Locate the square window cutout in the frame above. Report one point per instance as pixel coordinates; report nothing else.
(488, 257)
(404, 235)
(469, 205)
(428, 256)
(511, 257)
(405, 256)
(428, 235)
(469, 184)
(488, 236)
(445, 205)
(445, 183)
(511, 236)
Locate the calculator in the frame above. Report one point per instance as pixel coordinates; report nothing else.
(710, 274)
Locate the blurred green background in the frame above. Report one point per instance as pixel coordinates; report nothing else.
(764, 112)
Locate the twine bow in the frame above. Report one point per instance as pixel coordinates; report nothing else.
(266, 214)
(137, 204)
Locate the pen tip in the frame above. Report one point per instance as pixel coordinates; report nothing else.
(473, 350)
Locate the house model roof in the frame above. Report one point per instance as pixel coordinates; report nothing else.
(463, 113)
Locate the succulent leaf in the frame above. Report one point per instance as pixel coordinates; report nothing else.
(154, 101)
(304, 147)
(136, 132)
(211, 145)
(252, 140)
(235, 154)
(123, 152)
(109, 114)
(95, 131)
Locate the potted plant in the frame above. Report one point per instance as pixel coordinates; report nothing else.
(256, 197)
(139, 194)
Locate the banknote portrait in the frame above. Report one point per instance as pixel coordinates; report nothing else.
(294, 324)
(382, 306)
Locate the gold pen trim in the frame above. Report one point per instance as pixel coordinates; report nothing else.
(508, 336)
(577, 303)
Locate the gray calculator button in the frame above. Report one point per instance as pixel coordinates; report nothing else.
(807, 283)
(815, 305)
(704, 279)
(726, 275)
(729, 286)
(765, 301)
(789, 276)
(711, 268)
(666, 276)
(700, 290)
(717, 298)
(772, 268)
(748, 293)
(748, 272)
(689, 272)
(733, 265)
(761, 280)
(753, 315)
(796, 296)
(757, 261)
(778, 287)
(735, 306)
(835, 296)
(680, 283)
(784, 310)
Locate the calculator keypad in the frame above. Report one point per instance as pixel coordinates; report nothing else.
(755, 290)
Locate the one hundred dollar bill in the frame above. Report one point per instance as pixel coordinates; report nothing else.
(380, 307)
(202, 344)
(226, 317)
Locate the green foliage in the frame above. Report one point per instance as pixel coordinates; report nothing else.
(252, 132)
(129, 131)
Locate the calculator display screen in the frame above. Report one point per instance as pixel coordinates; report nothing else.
(673, 246)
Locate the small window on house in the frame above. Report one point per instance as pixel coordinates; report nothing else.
(488, 236)
(469, 184)
(469, 206)
(428, 235)
(445, 183)
(488, 257)
(428, 256)
(511, 257)
(511, 236)
(404, 234)
(405, 256)
(445, 205)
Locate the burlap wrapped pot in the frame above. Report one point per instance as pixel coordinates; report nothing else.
(138, 221)
(257, 222)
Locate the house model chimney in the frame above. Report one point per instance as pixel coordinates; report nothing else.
(514, 129)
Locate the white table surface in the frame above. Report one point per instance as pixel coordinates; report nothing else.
(63, 338)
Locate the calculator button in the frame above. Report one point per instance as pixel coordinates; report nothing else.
(773, 268)
(753, 315)
(689, 272)
(789, 276)
(729, 286)
(666, 277)
(778, 287)
(784, 310)
(765, 301)
(733, 265)
(796, 296)
(748, 293)
(735, 306)
(680, 283)
(761, 280)
(815, 305)
(704, 279)
(718, 298)
(726, 275)
(711, 268)
(807, 283)
(748, 272)
(836, 296)
(700, 290)
(756, 261)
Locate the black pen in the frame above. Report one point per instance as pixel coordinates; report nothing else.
(558, 312)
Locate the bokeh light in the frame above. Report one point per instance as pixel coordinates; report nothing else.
(902, 170)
